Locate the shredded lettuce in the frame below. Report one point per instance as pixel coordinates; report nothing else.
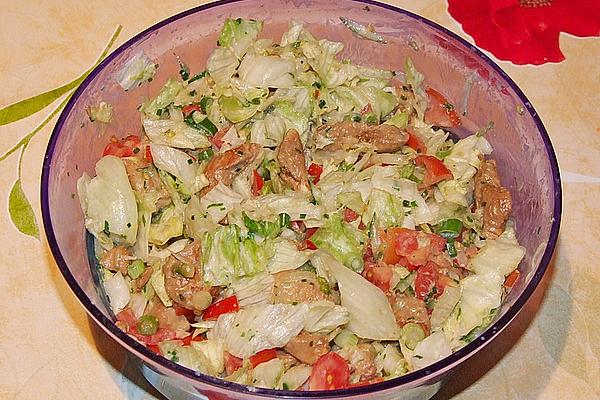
(268, 374)
(170, 225)
(214, 352)
(227, 256)
(118, 291)
(324, 316)
(108, 202)
(174, 133)
(137, 70)
(267, 71)
(371, 315)
(260, 327)
(239, 34)
(178, 164)
(342, 240)
(287, 256)
(157, 280)
(294, 377)
(165, 97)
(221, 65)
(431, 349)
(384, 209)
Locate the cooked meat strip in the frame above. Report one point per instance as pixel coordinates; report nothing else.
(347, 134)
(223, 167)
(410, 309)
(290, 157)
(293, 287)
(362, 361)
(183, 280)
(146, 183)
(495, 199)
(116, 259)
(308, 347)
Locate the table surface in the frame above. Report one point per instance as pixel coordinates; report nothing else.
(50, 349)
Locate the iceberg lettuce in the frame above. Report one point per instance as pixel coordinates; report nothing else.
(221, 65)
(108, 202)
(137, 70)
(267, 71)
(174, 133)
(165, 97)
(371, 316)
(239, 34)
(342, 240)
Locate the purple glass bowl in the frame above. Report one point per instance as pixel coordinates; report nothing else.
(526, 160)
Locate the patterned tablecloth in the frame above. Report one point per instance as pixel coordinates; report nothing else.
(49, 349)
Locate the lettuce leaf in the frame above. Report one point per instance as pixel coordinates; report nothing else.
(137, 70)
(221, 65)
(345, 242)
(384, 209)
(108, 202)
(176, 163)
(268, 374)
(287, 256)
(371, 316)
(267, 71)
(324, 316)
(165, 97)
(239, 34)
(118, 292)
(174, 133)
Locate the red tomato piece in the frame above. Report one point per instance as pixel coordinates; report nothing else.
(190, 108)
(160, 336)
(148, 154)
(263, 356)
(189, 314)
(442, 282)
(315, 170)
(257, 183)
(426, 279)
(439, 111)
(330, 372)
(122, 148)
(217, 138)
(154, 348)
(189, 339)
(379, 276)
(225, 306)
(309, 232)
(232, 363)
(350, 215)
(298, 226)
(437, 243)
(415, 143)
(127, 317)
(512, 278)
(310, 245)
(435, 170)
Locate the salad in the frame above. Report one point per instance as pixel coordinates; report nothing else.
(290, 220)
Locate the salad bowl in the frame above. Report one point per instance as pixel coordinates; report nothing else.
(488, 100)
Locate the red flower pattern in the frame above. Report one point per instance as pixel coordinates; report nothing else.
(526, 31)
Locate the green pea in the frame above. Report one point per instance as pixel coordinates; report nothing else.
(147, 325)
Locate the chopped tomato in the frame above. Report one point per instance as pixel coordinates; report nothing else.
(161, 335)
(399, 242)
(330, 372)
(310, 245)
(366, 109)
(125, 147)
(257, 183)
(350, 215)
(225, 306)
(189, 339)
(379, 276)
(435, 170)
(298, 226)
(436, 243)
(190, 108)
(512, 278)
(232, 363)
(154, 348)
(148, 154)
(415, 143)
(217, 138)
(263, 356)
(367, 382)
(127, 317)
(439, 111)
(309, 232)
(189, 314)
(442, 282)
(426, 280)
(315, 170)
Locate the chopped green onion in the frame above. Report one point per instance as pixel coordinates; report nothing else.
(285, 221)
(106, 229)
(450, 228)
(205, 154)
(184, 71)
(136, 269)
(371, 118)
(198, 76)
(147, 325)
(322, 103)
(451, 248)
(346, 339)
(411, 334)
(206, 126)
(205, 102)
(324, 285)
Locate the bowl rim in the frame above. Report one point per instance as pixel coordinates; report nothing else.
(432, 370)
